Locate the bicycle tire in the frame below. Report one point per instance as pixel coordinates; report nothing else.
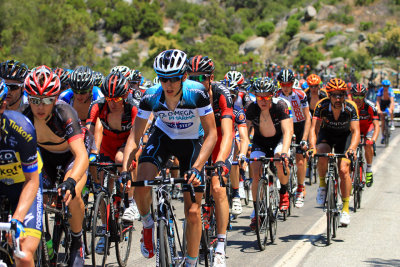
(165, 257)
(102, 200)
(87, 224)
(261, 214)
(41, 254)
(329, 212)
(246, 186)
(123, 245)
(273, 211)
(211, 235)
(356, 186)
(203, 252)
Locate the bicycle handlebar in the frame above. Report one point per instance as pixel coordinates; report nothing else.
(12, 227)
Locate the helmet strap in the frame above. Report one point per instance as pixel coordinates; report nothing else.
(180, 89)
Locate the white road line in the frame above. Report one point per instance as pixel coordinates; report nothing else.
(296, 254)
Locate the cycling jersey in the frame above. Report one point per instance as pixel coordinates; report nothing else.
(280, 110)
(240, 117)
(184, 121)
(385, 103)
(243, 100)
(321, 95)
(68, 95)
(18, 148)
(323, 111)
(298, 101)
(113, 139)
(367, 114)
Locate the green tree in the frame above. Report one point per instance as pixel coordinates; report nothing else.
(265, 28)
(151, 24)
(308, 56)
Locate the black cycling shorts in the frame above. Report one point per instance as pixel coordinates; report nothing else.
(298, 128)
(339, 141)
(160, 148)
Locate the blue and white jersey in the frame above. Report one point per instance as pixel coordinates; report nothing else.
(184, 121)
(68, 96)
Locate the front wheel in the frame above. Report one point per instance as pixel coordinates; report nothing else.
(261, 214)
(165, 257)
(124, 240)
(247, 186)
(99, 234)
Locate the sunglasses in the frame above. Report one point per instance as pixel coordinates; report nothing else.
(337, 95)
(199, 78)
(172, 80)
(286, 84)
(82, 92)
(14, 86)
(114, 99)
(37, 100)
(358, 96)
(265, 98)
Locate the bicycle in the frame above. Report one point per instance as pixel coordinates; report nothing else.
(312, 174)
(292, 184)
(331, 205)
(267, 202)
(386, 132)
(167, 226)
(116, 230)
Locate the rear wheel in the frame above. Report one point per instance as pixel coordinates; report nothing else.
(273, 211)
(261, 214)
(247, 186)
(123, 244)
(98, 232)
(329, 211)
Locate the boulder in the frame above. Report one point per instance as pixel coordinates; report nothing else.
(310, 13)
(108, 50)
(310, 38)
(323, 29)
(354, 47)
(293, 45)
(252, 45)
(336, 40)
(336, 28)
(350, 30)
(336, 60)
(325, 11)
(362, 37)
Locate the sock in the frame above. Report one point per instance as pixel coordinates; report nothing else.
(235, 192)
(322, 182)
(131, 201)
(147, 220)
(369, 168)
(283, 189)
(76, 240)
(221, 244)
(300, 188)
(190, 261)
(346, 204)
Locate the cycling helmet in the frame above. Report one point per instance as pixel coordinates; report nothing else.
(13, 70)
(358, 88)
(115, 84)
(3, 90)
(313, 79)
(235, 78)
(81, 79)
(135, 76)
(285, 76)
(97, 78)
(386, 83)
(42, 81)
(304, 86)
(336, 84)
(264, 85)
(62, 74)
(201, 64)
(126, 71)
(170, 63)
(156, 80)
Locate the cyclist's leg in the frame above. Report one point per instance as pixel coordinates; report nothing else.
(345, 179)
(283, 179)
(369, 154)
(234, 174)
(323, 146)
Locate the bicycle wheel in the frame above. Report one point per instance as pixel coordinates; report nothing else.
(98, 232)
(164, 252)
(314, 162)
(356, 186)
(87, 223)
(261, 213)
(123, 243)
(247, 186)
(360, 191)
(329, 211)
(273, 211)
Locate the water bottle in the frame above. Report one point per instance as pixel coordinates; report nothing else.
(49, 245)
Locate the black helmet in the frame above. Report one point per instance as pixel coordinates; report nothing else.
(13, 70)
(62, 74)
(136, 76)
(81, 79)
(201, 64)
(263, 85)
(114, 85)
(97, 78)
(285, 75)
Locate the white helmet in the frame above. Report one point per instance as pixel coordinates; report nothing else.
(170, 63)
(156, 80)
(126, 71)
(235, 79)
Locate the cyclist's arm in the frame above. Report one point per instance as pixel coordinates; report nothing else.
(98, 135)
(226, 142)
(391, 107)
(307, 125)
(376, 130)
(315, 127)
(287, 132)
(244, 140)
(210, 138)
(133, 141)
(81, 162)
(378, 104)
(355, 134)
(27, 196)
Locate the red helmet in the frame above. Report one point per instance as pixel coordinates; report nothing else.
(42, 81)
(336, 84)
(313, 79)
(358, 88)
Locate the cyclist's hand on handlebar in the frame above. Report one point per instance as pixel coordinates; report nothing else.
(20, 227)
(350, 154)
(304, 145)
(193, 176)
(241, 160)
(369, 142)
(311, 152)
(126, 178)
(222, 167)
(67, 190)
(93, 157)
(285, 158)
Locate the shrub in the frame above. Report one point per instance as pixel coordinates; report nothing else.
(151, 24)
(312, 26)
(292, 27)
(126, 32)
(282, 41)
(308, 56)
(365, 25)
(363, 2)
(360, 59)
(265, 28)
(248, 32)
(238, 38)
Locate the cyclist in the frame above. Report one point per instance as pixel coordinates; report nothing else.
(180, 106)
(273, 131)
(21, 181)
(63, 74)
(201, 69)
(14, 73)
(235, 81)
(61, 142)
(335, 124)
(385, 104)
(314, 91)
(302, 123)
(135, 80)
(110, 120)
(369, 125)
(82, 92)
(97, 79)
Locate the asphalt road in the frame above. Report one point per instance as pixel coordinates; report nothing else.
(372, 238)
